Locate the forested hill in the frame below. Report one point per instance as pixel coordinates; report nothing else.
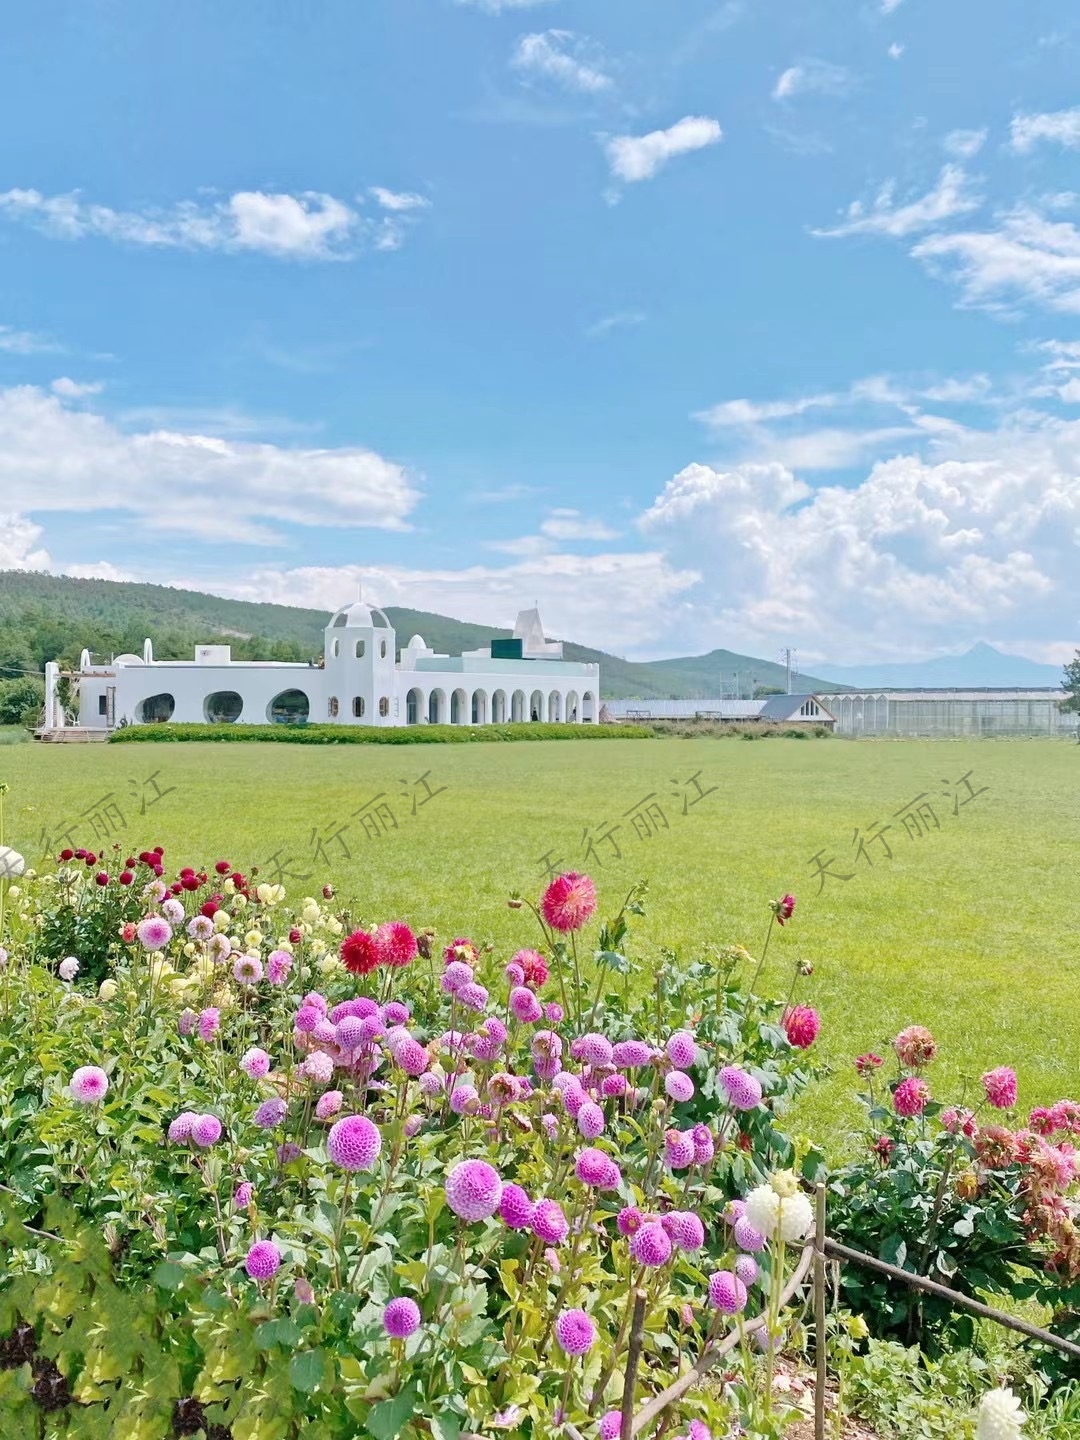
(53, 617)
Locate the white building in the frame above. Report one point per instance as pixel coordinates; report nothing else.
(360, 680)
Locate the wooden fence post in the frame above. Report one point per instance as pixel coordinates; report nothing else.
(820, 1348)
(633, 1356)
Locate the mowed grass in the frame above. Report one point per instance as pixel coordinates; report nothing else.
(971, 929)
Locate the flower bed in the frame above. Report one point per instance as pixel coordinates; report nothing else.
(276, 1172)
(272, 1170)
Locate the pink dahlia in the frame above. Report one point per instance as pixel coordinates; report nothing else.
(278, 965)
(395, 1013)
(360, 952)
(746, 1268)
(911, 1096)
(412, 1057)
(328, 1104)
(549, 1223)
(651, 1245)
(611, 1425)
(515, 1207)
(473, 996)
(270, 1114)
(629, 1220)
(631, 1054)
(686, 1229)
(727, 1292)
(595, 1050)
(460, 949)
(180, 1128)
(354, 1143)
(263, 1260)
(255, 1063)
(524, 1005)
(1000, 1087)
(679, 1086)
(205, 1131)
(88, 1085)
(747, 1237)
(401, 1318)
(575, 1332)
(154, 932)
(867, 1064)
(959, 1121)
(244, 1194)
(678, 1149)
(533, 967)
(742, 1089)
(682, 1049)
(590, 1120)
(915, 1047)
(209, 1022)
(473, 1190)
(598, 1170)
(704, 1145)
(396, 944)
(247, 969)
(612, 1086)
(801, 1025)
(568, 901)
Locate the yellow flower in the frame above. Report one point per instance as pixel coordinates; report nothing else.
(222, 921)
(785, 1184)
(285, 945)
(107, 990)
(189, 949)
(334, 926)
(310, 913)
(253, 939)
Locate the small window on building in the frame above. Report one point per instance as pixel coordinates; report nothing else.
(358, 700)
(333, 707)
(384, 705)
(102, 704)
(382, 649)
(335, 648)
(359, 649)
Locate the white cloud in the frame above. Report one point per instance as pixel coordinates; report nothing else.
(18, 544)
(564, 57)
(398, 200)
(495, 7)
(618, 320)
(564, 524)
(69, 389)
(812, 77)
(964, 144)
(618, 601)
(25, 342)
(53, 458)
(307, 226)
(888, 6)
(895, 50)
(1024, 258)
(980, 538)
(639, 157)
(1061, 127)
(951, 196)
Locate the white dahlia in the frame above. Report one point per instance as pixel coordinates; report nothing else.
(1001, 1416)
(763, 1210)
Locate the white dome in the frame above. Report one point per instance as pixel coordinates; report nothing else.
(417, 643)
(128, 660)
(360, 616)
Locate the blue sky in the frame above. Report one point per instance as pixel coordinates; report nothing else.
(703, 324)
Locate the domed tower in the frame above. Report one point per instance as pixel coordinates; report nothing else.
(359, 658)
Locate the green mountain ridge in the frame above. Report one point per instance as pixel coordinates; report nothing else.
(45, 617)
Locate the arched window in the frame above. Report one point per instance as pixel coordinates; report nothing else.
(360, 649)
(332, 707)
(289, 708)
(382, 649)
(223, 707)
(335, 647)
(358, 702)
(384, 703)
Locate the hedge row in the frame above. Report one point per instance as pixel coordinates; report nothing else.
(374, 735)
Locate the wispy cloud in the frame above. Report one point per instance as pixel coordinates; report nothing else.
(618, 320)
(69, 389)
(812, 77)
(25, 342)
(951, 196)
(1060, 127)
(568, 59)
(398, 200)
(1025, 258)
(888, 6)
(564, 524)
(495, 7)
(306, 226)
(964, 144)
(640, 157)
(895, 50)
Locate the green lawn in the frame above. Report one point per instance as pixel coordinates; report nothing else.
(971, 929)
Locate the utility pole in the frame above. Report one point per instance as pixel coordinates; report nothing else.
(789, 660)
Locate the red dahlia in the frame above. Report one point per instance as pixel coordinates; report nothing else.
(360, 952)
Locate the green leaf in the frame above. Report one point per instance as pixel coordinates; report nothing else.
(277, 1332)
(169, 1275)
(307, 1369)
(385, 1420)
(445, 1427)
